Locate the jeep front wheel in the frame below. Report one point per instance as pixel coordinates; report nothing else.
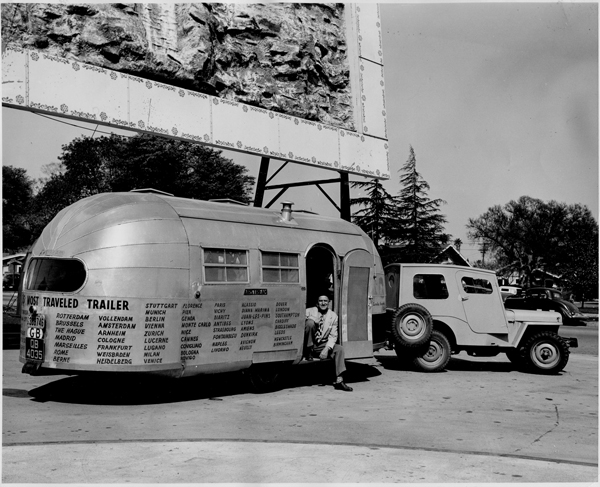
(437, 355)
(411, 325)
(546, 353)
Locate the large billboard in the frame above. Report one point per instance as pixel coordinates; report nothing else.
(295, 82)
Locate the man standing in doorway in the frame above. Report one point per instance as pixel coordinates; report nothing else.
(320, 339)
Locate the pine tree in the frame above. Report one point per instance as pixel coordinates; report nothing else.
(421, 232)
(378, 214)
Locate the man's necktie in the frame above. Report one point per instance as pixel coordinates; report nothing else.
(319, 333)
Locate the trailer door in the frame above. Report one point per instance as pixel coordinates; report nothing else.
(356, 300)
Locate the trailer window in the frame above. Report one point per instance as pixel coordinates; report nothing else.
(222, 265)
(57, 275)
(430, 286)
(280, 267)
(476, 286)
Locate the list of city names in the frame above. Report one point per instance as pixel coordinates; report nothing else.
(155, 340)
(191, 328)
(285, 320)
(123, 332)
(71, 331)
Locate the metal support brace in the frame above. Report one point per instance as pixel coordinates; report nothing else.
(263, 180)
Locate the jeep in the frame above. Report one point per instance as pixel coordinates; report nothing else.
(437, 310)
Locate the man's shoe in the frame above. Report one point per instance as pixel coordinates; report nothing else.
(342, 386)
(308, 358)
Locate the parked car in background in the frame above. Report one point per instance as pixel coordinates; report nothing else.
(547, 299)
(10, 281)
(507, 291)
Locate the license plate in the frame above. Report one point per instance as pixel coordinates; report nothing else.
(34, 348)
(36, 321)
(34, 340)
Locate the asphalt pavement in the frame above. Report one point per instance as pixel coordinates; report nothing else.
(65, 454)
(481, 421)
(270, 462)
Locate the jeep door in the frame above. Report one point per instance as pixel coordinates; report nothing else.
(482, 302)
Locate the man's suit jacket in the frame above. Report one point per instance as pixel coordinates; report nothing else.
(330, 325)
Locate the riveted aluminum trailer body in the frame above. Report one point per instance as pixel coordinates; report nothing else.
(143, 282)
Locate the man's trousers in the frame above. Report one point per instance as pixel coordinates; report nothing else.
(314, 349)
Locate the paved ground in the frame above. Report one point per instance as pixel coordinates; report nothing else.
(267, 462)
(481, 421)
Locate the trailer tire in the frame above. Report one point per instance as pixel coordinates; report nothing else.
(437, 356)
(411, 326)
(546, 353)
(265, 377)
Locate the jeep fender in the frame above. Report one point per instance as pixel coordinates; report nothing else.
(522, 330)
(447, 331)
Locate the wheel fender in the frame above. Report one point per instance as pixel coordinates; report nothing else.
(447, 331)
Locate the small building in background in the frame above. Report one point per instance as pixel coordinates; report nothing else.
(451, 256)
(11, 270)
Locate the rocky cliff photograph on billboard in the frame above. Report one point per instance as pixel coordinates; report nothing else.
(298, 82)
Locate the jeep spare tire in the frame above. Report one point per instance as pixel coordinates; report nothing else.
(411, 325)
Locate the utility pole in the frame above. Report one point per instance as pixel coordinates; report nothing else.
(483, 252)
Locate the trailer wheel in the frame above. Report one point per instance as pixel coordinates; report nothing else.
(546, 353)
(437, 355)
(411, 325)
(265, 377)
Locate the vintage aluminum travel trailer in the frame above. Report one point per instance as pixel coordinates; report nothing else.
(146, 282)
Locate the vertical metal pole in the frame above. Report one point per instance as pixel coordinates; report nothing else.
(345, 197)
(262, 181)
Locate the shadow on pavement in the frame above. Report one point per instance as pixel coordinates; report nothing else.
(105, 389)
(114, 390)
(491, 366)
(391, 362)
(308, 374)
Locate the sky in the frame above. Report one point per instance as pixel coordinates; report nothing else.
(498, 100)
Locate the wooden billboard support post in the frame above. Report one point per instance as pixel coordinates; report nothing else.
(263, 172)
(263, 180)
(345, 196)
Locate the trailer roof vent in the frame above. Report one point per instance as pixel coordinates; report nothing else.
(286, 211)
(151, 190)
